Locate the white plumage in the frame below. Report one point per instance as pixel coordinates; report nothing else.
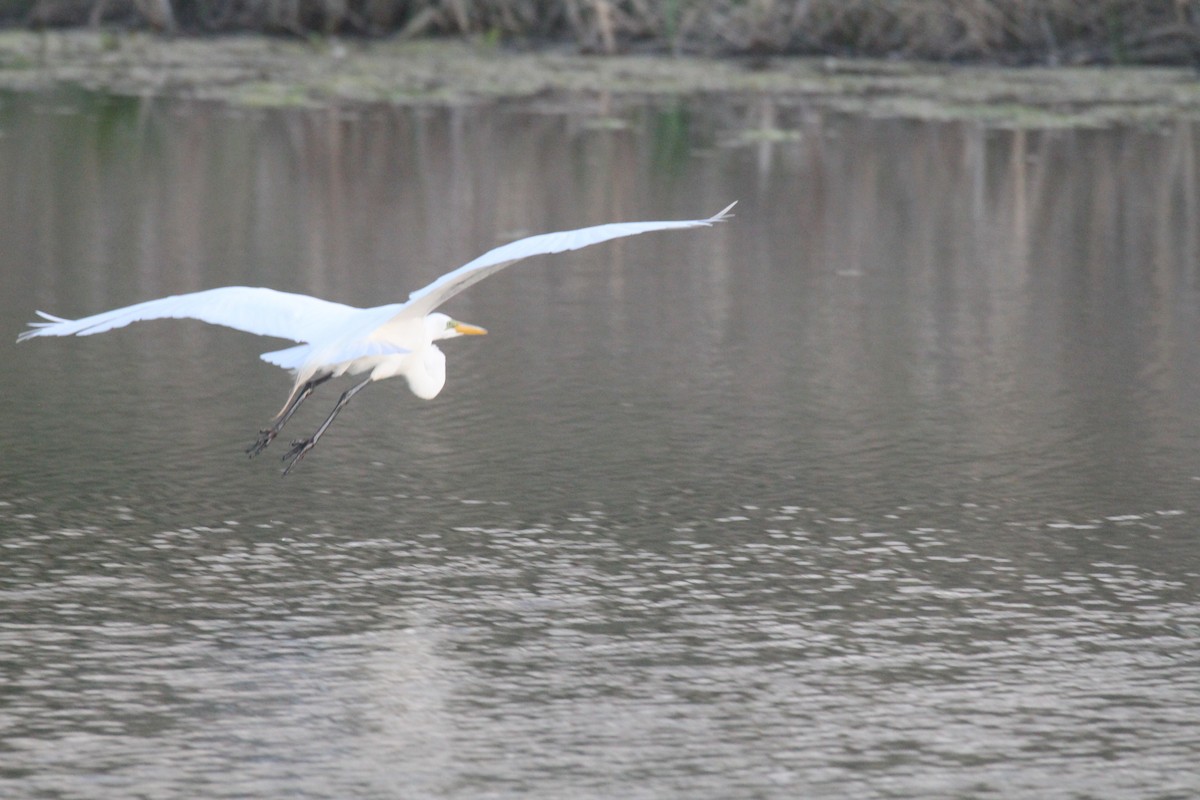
(336, 339)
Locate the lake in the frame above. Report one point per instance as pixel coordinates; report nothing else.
(889, 487)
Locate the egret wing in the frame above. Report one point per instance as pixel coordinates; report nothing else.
(263, 311)
(424, 300)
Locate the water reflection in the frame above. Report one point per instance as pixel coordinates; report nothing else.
(885, 489)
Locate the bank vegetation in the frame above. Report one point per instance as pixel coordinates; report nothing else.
(1043, 32)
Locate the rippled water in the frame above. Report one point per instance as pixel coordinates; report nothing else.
(886, 489)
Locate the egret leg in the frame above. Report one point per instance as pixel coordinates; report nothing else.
(300, 447)
(266, 435)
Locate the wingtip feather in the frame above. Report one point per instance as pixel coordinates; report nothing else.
(724, 213)
(39, 328)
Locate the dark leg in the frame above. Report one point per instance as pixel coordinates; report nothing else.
(266, 435)
(300, 447)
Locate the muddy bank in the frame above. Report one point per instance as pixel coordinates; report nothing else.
(260, 71)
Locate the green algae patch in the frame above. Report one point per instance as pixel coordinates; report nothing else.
(270, 95)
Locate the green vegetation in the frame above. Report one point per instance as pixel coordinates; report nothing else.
(1044, 32)
(271, 71)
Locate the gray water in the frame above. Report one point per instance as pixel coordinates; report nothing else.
(888, 488)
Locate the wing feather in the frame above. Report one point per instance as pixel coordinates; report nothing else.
(263, 311)
(424, 300)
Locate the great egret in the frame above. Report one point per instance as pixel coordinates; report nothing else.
(337, 339)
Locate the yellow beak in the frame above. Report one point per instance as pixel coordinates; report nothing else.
(469, 330)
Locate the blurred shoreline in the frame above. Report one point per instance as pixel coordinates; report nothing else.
(255, 70)
(1002, 32)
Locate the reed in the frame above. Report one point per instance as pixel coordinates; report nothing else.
(1005, 31)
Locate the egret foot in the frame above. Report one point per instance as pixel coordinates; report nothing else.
(299, 450)
(265, 437)
(302, 446)
(299, 395)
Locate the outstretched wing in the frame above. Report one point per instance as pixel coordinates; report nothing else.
(263, 311)
(422, 301)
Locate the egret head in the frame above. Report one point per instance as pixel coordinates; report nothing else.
(441, 326)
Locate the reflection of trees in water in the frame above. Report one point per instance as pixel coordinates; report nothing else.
(428, 188)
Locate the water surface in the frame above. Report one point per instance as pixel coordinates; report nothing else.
(887, 488)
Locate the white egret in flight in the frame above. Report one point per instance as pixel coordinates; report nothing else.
(337, 339)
